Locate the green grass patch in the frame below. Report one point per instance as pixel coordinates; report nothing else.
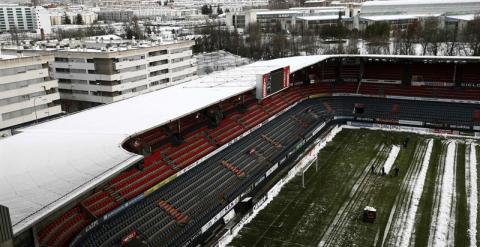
(477, 149)
(461, 211)
(425, 209)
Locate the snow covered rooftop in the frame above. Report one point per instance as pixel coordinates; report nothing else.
(279, 12)
(392, 17)
(416, 2)
(318, 18)
(49, 164)
(5, 57)
(469, 17)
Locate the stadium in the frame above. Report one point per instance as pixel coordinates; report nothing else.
(193, 164)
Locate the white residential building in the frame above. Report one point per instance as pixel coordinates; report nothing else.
(58, 16)
(269, 19)
(105, 70)
(27, 92)
(24, 19)
(199, 3)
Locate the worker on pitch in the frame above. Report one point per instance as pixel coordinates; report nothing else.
(396, 170)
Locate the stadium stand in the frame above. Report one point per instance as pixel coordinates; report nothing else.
(209, 180)
(382, 71)
(202, 191)
(224, 186)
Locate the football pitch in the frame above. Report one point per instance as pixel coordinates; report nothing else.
(423, 188)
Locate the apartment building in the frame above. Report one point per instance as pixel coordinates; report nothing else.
(24, 19)
(104, 74)
(27, 92)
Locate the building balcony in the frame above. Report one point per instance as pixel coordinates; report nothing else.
(34, 101)
(39, 114)
(158, 67)
(32, 74)
(37, 87)
(182, 63)
(127, 64)
(83, 76)
(69, 65)
(103, 88)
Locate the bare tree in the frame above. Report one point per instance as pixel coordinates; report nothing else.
(404, 39)
(14, 35)
(471, 36)
(429, 36)
(450, 35)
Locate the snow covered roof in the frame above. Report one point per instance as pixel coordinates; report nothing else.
(5, 57)
(391, 17)
(318, 18)
(279, 12)
(469, 17)
(49, 164)
(416, 2)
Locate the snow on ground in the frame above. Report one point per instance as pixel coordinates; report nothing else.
(392, 156)
(443, 222)
(400, 225)
(407, 226)
(472, 196)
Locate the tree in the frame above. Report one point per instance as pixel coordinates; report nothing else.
(132, 29)
(378, 32)
(14, 35)
(471, 36)
(352, 47)
(205, 10)
(67, 19)
(219, 10)
(278, 46)
(451, 40)
(429, 36)
(79, 19)
(377, 35)
(404, 39)
(148, 30)
(210, 10)
(337, 31)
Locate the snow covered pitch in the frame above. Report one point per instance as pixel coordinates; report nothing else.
(424, 190)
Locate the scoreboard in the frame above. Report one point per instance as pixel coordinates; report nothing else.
(272, 82)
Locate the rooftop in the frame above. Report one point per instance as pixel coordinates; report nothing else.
(416, 2)
(318, 17)
(469, 17)
(279, 12)
(6, 57)
(393, 17)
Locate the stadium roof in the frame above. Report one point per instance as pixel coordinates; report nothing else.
(415, 2)
(49, 164)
